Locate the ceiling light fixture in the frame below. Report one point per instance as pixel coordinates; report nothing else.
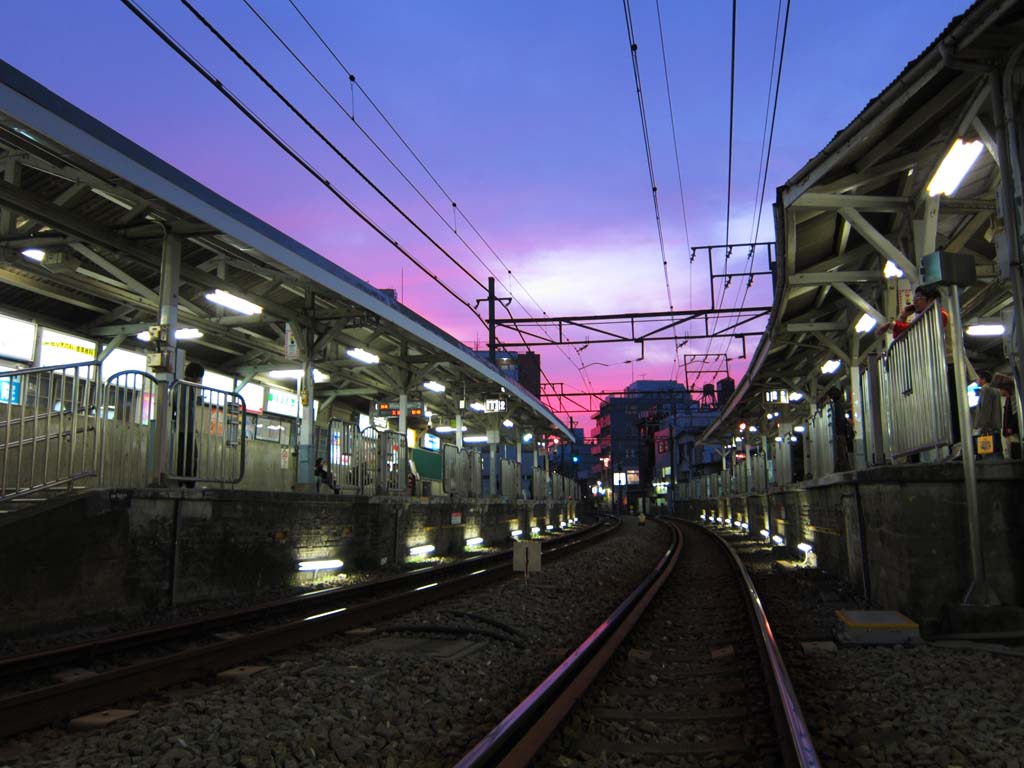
(237, 303)
(363, 356)
(954, 167)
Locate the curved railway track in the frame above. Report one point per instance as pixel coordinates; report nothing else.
(683, 671)
(141, 662)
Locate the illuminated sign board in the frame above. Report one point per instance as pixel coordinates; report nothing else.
(618, 478)
(494, 406)
(282, 403)
(17, 339)
(10, 390)
(388, 410)
(431, 442)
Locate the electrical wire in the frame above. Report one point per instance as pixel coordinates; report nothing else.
(458, 212)
(160, 32)
(320, 135)
(675, 140)
(650, 169)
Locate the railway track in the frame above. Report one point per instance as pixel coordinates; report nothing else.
(684, 672)
(120, 667)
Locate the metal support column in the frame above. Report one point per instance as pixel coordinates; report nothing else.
(978, 591)
(166, 368)
(458, 430)
(304, 466)
(1010, 205)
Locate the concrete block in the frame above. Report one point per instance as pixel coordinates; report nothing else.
(100, 719)
(818, 647)
(239, 673)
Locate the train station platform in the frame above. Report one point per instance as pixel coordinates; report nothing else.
(897, 532)
(133, 550)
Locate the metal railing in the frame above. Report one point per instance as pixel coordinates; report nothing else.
(128, 408)
(915, 395)
(463, 472)
(49, 435)
(208, 434)
(346, 455)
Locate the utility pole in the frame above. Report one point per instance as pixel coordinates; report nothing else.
(492, 342)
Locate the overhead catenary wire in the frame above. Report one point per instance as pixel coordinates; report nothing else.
(457, 210)
(675, 143)
(650, 168)
(323, 137)
(179, 49)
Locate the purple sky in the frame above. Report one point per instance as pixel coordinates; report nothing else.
(525, 112)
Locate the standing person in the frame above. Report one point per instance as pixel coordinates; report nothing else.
(1011, 430)
(988, 418)
(185, 425)
(323, 474)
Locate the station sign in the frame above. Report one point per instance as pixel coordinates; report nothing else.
(494, 406)
(431, 442)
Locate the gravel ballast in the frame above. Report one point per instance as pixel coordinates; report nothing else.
(391, 700)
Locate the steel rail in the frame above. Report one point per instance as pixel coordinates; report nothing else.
(32, 709)
(795, 736)
(323, 599)
(518, 738)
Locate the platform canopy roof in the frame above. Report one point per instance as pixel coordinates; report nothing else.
(862, 201)
(98, 205)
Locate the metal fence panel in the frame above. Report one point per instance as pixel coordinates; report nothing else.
(915, 394)
(463, 472)
(510, 479)
(49, 437)
(820, 435)
(208, 428)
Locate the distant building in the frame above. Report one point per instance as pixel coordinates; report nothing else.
(623, 423)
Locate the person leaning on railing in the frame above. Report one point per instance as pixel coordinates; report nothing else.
(1010, 430)
(924, 297)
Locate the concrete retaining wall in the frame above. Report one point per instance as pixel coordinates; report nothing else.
(121, 552)
(898, 533)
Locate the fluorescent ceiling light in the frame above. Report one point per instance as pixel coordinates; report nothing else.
(508, 423)
(237, 303)
(320, 565)
(434, 386)
(765, 533)
(985, 329)
(549, 527)
(422, 549)
(297, 373)
(830, 366)
(363, 356)
(474, 541)
(799, 428)
(792, 438)
(954, 167)
(778, 539)
(477, 407)
(535, 529)
(778, 439)
(182, 334)
(795, 397)
(890, 270)
(752, 428)
(865, 324)
(804, 547)
(528, 437)
(515, 534)
(475, 439)
(36, 254)
(445, 430)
